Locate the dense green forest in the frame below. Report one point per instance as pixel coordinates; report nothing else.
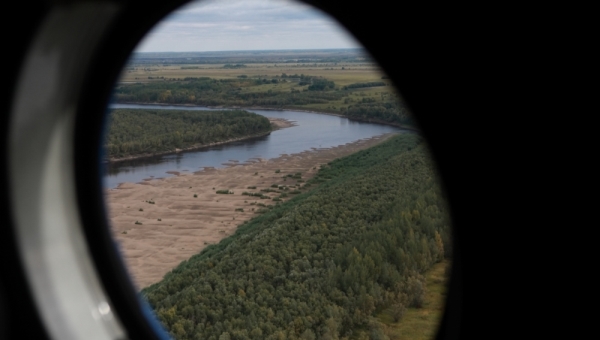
(387, 112)
(223, 92)
(229, 92)
(362, 85)
(321, 264)
(143, 131)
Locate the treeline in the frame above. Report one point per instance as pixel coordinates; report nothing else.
(234, 66)
(224, 92)
(321, 85)
(319, 265)
(144, 131)
(361, 85)
(392, 111)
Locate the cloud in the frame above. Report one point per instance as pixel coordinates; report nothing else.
(213, 25)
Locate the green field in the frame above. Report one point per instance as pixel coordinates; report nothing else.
(419, 323)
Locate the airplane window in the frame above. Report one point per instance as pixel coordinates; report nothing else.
(265, 180)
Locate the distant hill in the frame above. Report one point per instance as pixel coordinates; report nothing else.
(258, 56)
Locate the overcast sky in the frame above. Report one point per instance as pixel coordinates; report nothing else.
(228, 25)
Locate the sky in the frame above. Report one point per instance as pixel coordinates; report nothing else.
(234, 25)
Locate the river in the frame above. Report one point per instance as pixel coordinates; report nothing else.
(313, 130)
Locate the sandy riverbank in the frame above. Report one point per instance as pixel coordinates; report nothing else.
(187, 223)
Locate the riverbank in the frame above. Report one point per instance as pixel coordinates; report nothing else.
(158, 223)
(290, 108)
(276, 123)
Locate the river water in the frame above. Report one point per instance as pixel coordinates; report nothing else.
(313, 130)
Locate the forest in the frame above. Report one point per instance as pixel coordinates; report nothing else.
(356, 240)
(133, 132)
(205, 91)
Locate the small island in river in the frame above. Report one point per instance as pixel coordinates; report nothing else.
(138, 133)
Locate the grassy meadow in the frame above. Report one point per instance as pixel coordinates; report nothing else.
(420, 323)
(341, 73)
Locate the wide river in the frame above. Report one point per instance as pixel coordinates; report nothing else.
(313, 130)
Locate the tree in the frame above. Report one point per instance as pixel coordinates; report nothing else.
(416, 291)
(308, 335)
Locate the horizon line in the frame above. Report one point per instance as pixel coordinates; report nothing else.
(265, 50)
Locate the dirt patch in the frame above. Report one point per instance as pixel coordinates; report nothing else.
(281, 123)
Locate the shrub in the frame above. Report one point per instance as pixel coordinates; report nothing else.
(274, 186)
(256, 194)
(416, 291)
(225, 192)
(138, 222)
(159, 219)
(252, 187)
(239, 209)
(277, 171)
(268, 190)
(195, 195)
(398, 311)
(141, 209)
(124, 232)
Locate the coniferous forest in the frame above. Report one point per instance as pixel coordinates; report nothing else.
(135, 132)
(355, 241)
